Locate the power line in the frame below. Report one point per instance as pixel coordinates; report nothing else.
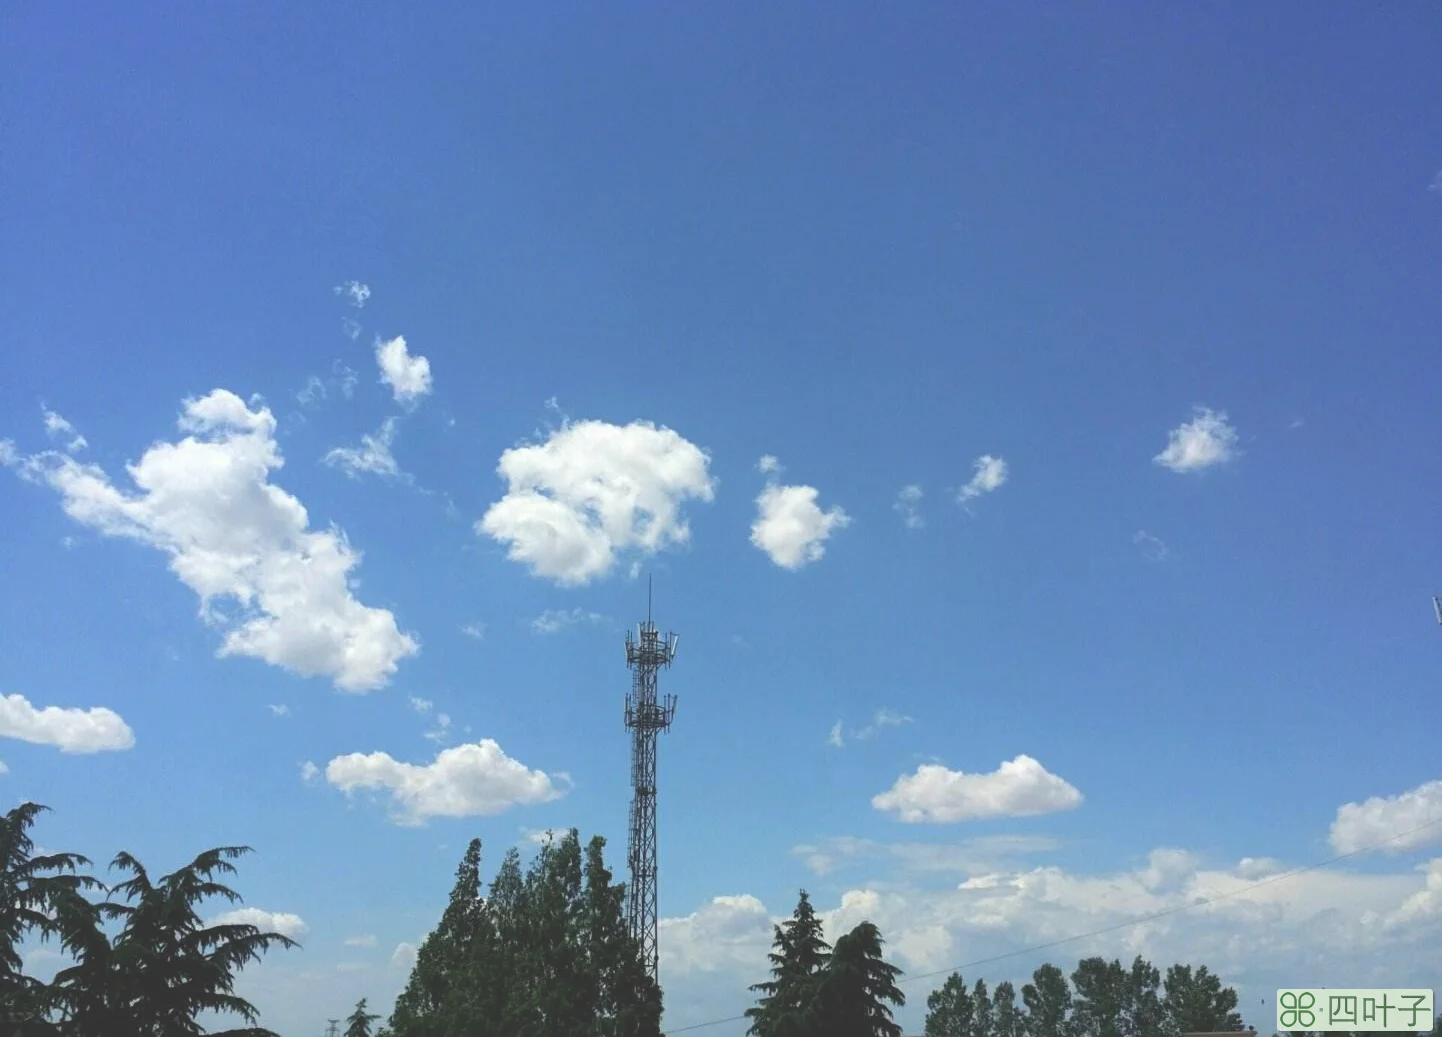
(1293, 873)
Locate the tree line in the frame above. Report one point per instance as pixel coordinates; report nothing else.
(542, 953)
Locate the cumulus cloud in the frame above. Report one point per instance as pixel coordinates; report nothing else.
(1151, 547)
(408, 376)
(553, 621)
(266, 921)
(372, 456)
(790, 526)
(1170, 906)
(593, 491)
(57, 427)
(69, 730)
(908, 505)
(1400, 823)
(1204, 441)
(207, 502)
(989, 473)
(354, 293)
(471, 780)
(1018, 788)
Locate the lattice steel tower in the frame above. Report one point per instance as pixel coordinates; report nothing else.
(646, 653)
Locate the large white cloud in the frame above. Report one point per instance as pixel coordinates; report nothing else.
(1204, 441)
(1398, 823)
(207, 502)
(475, 779)
(70, 730)
(790, 526)
(1018, 788)
(286, 924)
(593, 491)
(408, 376)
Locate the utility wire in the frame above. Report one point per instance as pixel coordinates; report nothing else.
(1292, 873)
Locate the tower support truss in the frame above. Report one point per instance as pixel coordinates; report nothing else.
(647, 652)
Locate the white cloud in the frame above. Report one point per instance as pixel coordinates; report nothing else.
(354, 292)
(57, 427)
(420, 705)
(475, 779)
(266, 921)
(1018, 788)
(9, 455)
(70, 730)
(346, 377)
(373, 455)
(990, 472)
(442, 730)
(593, 491)
(553, 621)
(404, 956)
(408, 376)
(207, 502)
(769, 465)
(4, 769)
(980, 855)
(908, 504)
(725, 933)
(1398, 820)
(280, 711)
(309, 771)
(476, 630)
(1204, 441)
(1436, 185)
(882, 718)
(790, 526)
(313, 392)
(835, 737)
(1151, 546)
(538, 836)
(364, 940)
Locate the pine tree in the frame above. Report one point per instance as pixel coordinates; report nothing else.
(799, 953)
(359, 1023)
(950, 1009)
(1006, 1019)
(857, 988)
(1048, 1004)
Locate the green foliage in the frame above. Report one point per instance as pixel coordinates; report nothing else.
(950, 1009)
(546, 954)
(1048, 1003)
(359, 1022)
(1196, 1002)
(161, 969)
(799, 954)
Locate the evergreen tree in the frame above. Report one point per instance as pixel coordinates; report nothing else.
(1196, 1002)
(799, 953)
(1006, 1019)
(628, 1000)
(359, 1023)
(29, 901)
(854, 989)
(950, 1009)
(1048, 1004)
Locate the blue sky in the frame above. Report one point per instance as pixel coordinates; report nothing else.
(1159, 285)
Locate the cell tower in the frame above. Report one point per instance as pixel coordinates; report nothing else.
(646, 653)
(333, 1030)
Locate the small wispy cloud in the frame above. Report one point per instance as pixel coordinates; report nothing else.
(420, 705)
(354, 293)
(1204, 441)
(989, 474)
(442, 731)
(57, 427)
(476, 630)
(908, 505)
(279, 711)
(373, 456)
(1436, 185)
(308, 771)
(1151, 546)
(364, 940)
(769, 464)
(1296, 424)
(880, 720)
(553, 621)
